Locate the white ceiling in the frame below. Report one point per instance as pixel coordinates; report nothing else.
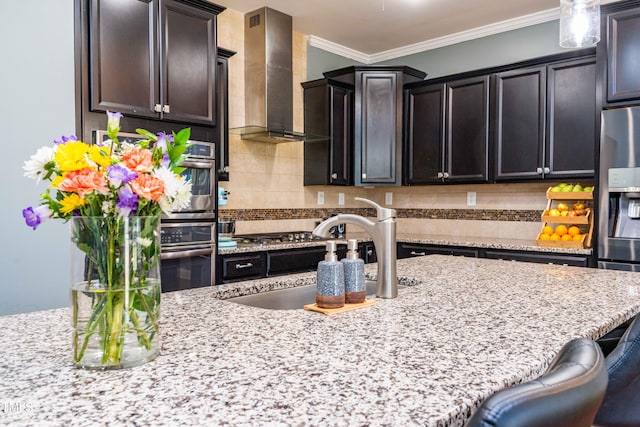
(373, 30)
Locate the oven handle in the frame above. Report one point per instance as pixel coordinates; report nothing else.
(185, 254)
(199, 165)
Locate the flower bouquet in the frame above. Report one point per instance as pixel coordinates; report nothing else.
(112, 194)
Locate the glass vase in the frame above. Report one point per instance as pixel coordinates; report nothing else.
(115, 291)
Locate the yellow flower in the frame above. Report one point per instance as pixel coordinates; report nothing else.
(98, 155)
(71, 156)
(71, 203)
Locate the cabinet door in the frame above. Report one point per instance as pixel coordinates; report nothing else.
(341, 132)
(623, 54)
(520, 123)
(188, 63)
(571, 119)
(124, 67)
(222, 101)
(376, 137)
(424, 134)
(575, 260)
(467, 130)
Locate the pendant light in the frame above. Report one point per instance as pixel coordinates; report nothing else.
(579, 23)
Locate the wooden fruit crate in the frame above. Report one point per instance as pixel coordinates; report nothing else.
(582, 219)
(567, 244)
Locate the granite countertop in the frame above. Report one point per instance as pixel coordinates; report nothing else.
(461, 329)
(528, 245)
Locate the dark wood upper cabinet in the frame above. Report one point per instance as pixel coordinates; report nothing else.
(154, 59)
(467, 136)
(447, 132)
(377, 117)
(328, 116)
(546, 121)
(622, 46)
(424, 134)
(222, 106)
(519, 116)
(571, 119)
(124, 65)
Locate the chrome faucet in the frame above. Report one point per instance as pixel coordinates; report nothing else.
(383, 232)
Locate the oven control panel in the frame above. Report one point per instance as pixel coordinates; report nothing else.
(187, 233)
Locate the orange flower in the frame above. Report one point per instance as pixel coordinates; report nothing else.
(148, 187)
(138, 160)
(84, 181)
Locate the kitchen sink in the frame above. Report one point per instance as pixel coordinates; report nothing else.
(288, 299)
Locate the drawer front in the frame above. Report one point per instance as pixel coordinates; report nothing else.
(237, 267)
(575, 260)
(280, 262)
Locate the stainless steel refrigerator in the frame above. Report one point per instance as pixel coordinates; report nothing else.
(619, 190)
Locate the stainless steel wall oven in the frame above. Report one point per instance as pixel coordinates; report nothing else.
(188, 237)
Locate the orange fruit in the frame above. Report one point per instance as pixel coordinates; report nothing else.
(545, 236)
(566, 237)
(573, 230)
(554, 236)
(577, 237)
(561, 230)
(548, 230)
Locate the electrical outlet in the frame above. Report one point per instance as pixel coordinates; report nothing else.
(388, 198)
(321, 197)
(341, 199)
(471, 198)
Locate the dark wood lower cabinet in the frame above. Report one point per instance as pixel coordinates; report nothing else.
(543, 258)
(408, 250)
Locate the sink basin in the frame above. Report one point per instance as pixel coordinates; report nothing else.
(288, 299)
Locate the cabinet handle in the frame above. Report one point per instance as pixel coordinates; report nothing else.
(440, 174)
(241, 266)
(539, 171)
(547, 170)
(166, 109)
(334, 176)
(414, 253)
(445, 175)
(370, 252)
(157, 108)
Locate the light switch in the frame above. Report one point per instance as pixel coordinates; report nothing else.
(388, 198)
(341, 199)
(321, 197)
(471, 198)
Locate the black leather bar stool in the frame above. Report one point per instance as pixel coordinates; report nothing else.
(621, 405)
(568, 394)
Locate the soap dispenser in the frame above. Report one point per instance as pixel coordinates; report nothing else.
(330, 279)
(354, 283)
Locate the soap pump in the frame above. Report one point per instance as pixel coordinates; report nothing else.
(354, 283)
(330, 279)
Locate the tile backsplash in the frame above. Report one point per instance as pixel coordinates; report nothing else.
(266, 180)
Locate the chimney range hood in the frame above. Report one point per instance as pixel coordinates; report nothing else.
(268, 78)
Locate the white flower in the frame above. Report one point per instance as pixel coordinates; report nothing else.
(177, 191)
(35, 166)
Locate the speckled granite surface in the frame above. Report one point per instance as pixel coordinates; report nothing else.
(466, 329)
(475, 242)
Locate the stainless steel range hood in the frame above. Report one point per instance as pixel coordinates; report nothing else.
(268, 78)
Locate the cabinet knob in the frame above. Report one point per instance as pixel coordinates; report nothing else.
(539, 171)
(445, 175)
(440, 174)
(157, 108)
(546, 169)
(334, 176)
(166, 109)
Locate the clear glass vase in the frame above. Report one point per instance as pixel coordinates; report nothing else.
(115, 291)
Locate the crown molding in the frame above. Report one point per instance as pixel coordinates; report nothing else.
(475, 33)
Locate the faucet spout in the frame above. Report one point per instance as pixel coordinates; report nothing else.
(383, 233)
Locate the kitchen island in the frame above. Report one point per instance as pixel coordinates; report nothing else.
(460, 329)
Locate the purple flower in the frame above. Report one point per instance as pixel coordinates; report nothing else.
(65, 139)
(119, 174)
(127, 200)
(166, 161)
(161, 143)
(34, 217)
